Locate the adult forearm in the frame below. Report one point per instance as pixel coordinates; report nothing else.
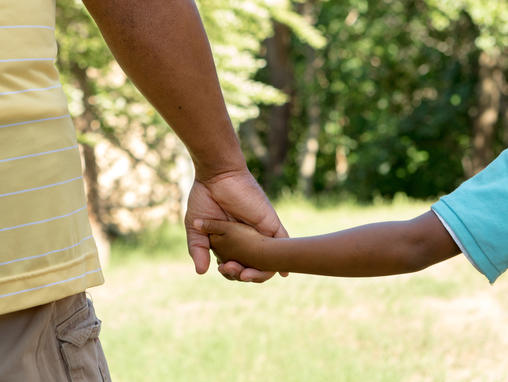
(372, 250)
(163, 48)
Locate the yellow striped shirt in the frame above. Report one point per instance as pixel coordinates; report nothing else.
(47, 251)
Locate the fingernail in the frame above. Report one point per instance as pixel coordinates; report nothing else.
(198, 224)
(199, 271)
(248, 280)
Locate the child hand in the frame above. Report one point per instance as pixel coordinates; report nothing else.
(235, 241)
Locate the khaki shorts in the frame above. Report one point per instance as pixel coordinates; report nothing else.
(52, 343)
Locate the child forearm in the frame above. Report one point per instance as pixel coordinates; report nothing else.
(371, 250)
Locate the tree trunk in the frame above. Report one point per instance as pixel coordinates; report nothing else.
(489, 104)
(84, 124)
(249, 135)
(281, 77)
(311, 146)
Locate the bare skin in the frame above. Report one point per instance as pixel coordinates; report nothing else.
(379, 249)
(163, 48)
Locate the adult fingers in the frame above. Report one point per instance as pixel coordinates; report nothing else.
(281, 232)
(253, 275)
(232, 270)
(220, 268)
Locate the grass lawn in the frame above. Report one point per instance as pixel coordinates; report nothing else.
(161, 322)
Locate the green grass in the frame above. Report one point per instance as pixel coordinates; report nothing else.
(161, 322)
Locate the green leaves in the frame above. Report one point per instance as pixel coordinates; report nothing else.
(300, 27)
(491, 17)
(394, 81)
(236, 30)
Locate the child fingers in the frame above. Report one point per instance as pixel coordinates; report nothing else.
(215, 240)
(217, 227)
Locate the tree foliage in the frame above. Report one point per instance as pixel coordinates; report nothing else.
(397, 90)
(137, 156)
(382, 96)
(489, 16)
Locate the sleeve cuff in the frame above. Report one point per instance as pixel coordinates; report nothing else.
(465, 240)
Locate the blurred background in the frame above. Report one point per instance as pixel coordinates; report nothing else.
(348, 112)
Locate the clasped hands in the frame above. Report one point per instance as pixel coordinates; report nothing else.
(231, 196)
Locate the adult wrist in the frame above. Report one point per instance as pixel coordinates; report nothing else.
(223, 165)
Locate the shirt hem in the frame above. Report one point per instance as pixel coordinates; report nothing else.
(49, 287)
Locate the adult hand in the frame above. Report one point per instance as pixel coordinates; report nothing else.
(233, 196)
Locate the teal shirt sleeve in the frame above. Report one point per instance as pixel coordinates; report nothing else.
(477, 213)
